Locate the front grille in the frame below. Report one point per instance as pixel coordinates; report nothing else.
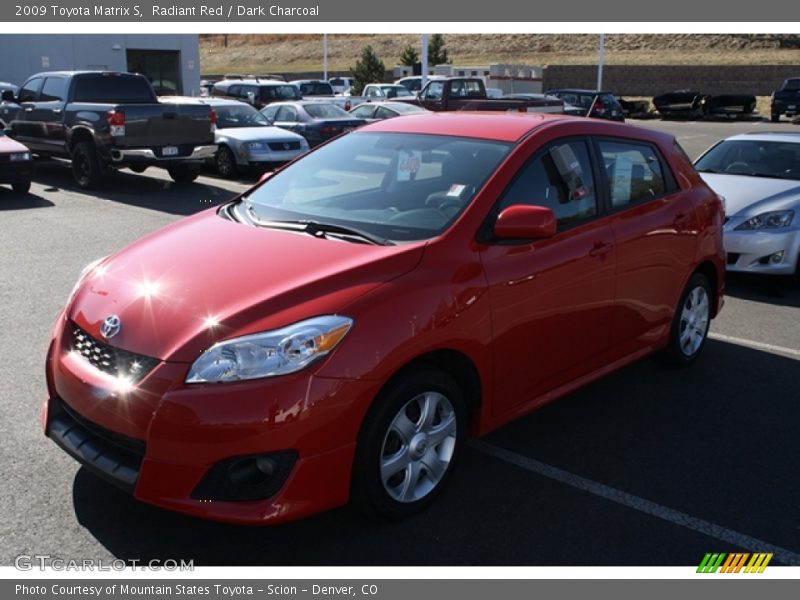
(733, 258)
(280, 146)
(114, 361)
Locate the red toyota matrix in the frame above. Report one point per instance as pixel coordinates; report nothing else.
(334, 333)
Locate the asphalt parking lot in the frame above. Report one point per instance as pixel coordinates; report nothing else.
(648, 466)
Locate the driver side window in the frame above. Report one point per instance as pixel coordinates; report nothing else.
(559, 178)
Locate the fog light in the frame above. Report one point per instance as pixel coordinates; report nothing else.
(254, 477)
(776, 258)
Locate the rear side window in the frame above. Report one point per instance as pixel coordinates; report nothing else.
(286, 113)
(634, 172)
(280, 92)
(113, 89)
(560, 178)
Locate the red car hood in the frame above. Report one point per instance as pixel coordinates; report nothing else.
(203, 279)
(7, 145)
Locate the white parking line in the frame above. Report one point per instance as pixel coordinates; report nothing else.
(740, 540)
(789, 352)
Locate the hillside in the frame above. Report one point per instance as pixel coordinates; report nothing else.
(295, 53)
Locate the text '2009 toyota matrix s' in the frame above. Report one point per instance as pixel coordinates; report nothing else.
(334, 333)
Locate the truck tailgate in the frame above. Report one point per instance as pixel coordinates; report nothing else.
(157, 125)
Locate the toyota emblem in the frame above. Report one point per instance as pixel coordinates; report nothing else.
(286, 146)
(111, 326)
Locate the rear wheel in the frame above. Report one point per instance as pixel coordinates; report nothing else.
(225, 162)
(408, 444)
(138, 168)
(184, 173)
(86, 168)
(690, 324)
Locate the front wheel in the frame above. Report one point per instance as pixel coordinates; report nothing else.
(408, 444)
(690, 324)
(225, 162)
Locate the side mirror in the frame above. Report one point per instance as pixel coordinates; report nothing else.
(251, 97)
(8, 96)
(524, 221)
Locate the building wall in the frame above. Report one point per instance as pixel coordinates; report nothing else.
(24, 55)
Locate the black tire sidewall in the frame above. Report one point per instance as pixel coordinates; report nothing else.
(368, 493)
(85, 152)
(231, 159)
(673, 352)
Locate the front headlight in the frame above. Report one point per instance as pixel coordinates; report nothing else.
(20, 156)
(768, 220)
(271, 353)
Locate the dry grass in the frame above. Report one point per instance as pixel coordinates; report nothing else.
(296, 53)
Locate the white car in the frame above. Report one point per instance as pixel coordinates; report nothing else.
(246, 139)
(759, 177)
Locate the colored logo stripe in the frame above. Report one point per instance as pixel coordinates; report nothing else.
(733, 563)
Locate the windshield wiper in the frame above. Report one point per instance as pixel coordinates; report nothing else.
(319, 229)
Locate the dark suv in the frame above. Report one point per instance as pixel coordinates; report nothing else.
(786, 100)
(258, 92)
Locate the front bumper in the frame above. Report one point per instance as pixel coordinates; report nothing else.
(252, 158)
(162, 438)
(773, 252)
(16, 171)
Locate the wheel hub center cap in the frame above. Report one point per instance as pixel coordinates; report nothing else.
(418, 446)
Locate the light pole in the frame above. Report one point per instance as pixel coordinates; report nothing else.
(601, 54)
(424, 59)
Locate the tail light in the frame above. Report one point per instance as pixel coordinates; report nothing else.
(328, 129)
(212, 116)
(347, 105)
(116, 122)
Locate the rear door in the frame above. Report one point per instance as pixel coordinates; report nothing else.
(552, 299)
(655, 230)
(23, 125)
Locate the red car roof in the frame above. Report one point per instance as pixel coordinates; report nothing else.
(500, 126)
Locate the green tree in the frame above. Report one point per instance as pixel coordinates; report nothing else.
(369, 69)
(437, 53)
(409, 56)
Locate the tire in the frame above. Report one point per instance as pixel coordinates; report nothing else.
(403, 459)
(225, 162)
(689, 330)
(138, 168)
(184, 173)
(775, 117)
(86, 168)
(21, 187)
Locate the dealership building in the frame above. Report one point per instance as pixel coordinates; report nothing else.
(171, 62)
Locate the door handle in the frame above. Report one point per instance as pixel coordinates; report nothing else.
(28, 109)
(56, 111)
(600, 249)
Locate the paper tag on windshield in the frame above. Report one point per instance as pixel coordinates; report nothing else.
(455, 190)
(408, 164)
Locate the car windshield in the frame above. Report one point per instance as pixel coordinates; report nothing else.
(326, 111)
(239, 116)
(791, 85)
(397, 186)
(753, 157)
